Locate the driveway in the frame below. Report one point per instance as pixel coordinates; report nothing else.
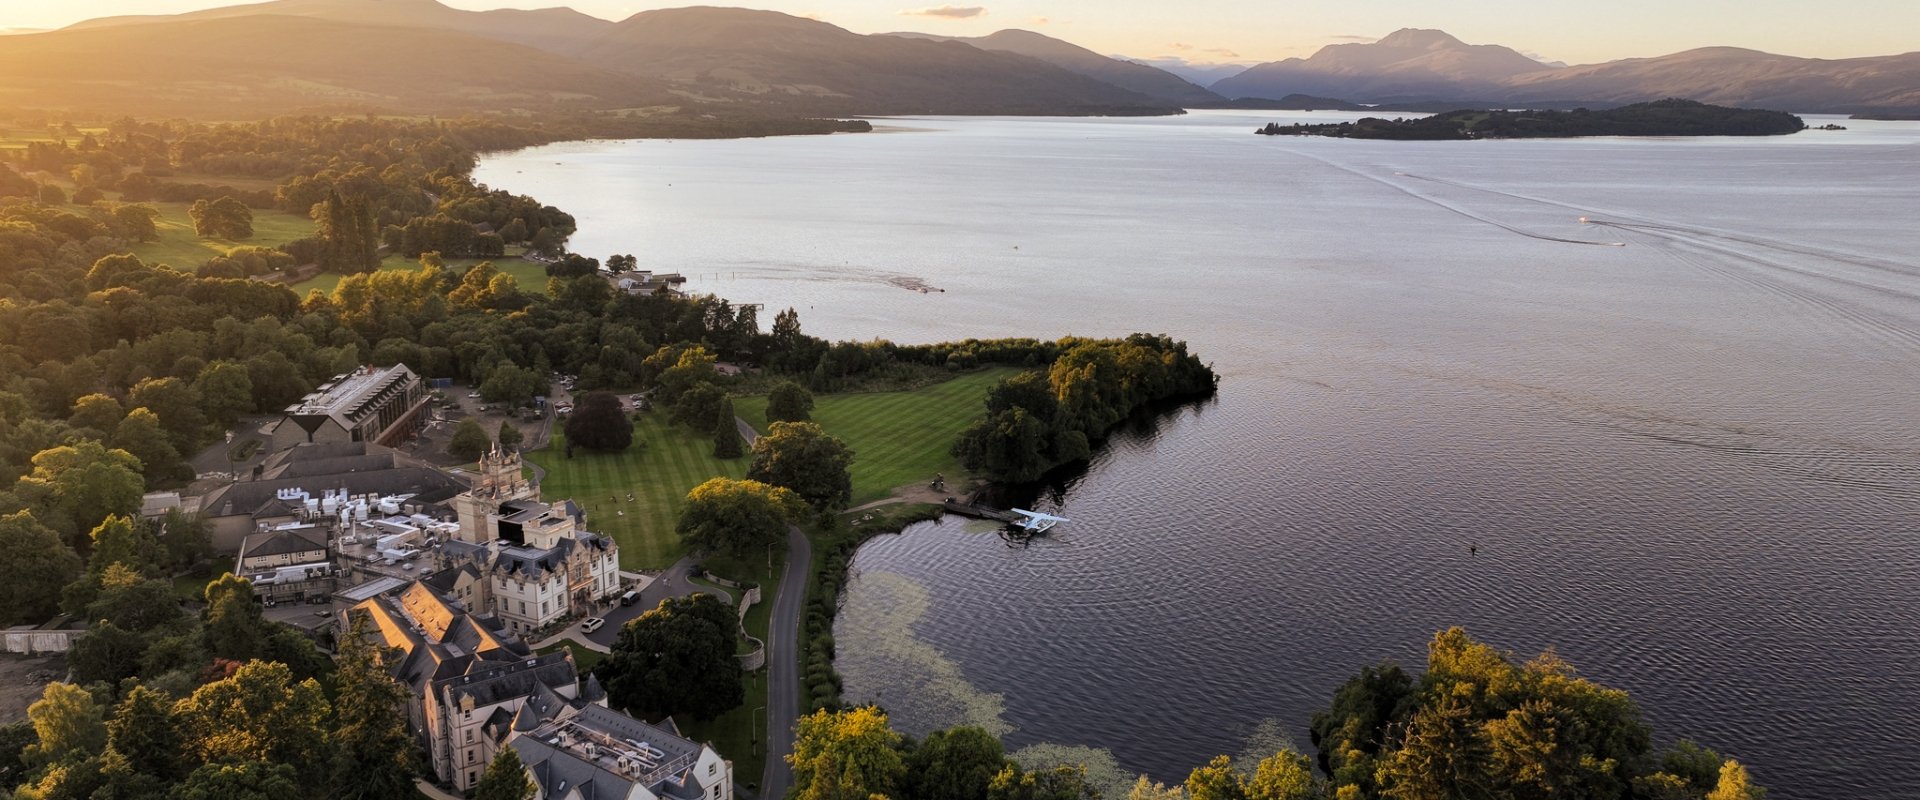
(671, 583)
(783, 659)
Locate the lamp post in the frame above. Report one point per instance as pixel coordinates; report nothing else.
(756, 729)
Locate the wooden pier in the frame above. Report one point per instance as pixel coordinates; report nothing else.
(978, 511)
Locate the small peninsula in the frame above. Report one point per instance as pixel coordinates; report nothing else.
(1659, 118)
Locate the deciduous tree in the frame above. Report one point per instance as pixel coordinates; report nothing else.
(37, 565)
(802, 457)
(469, 440)
(846, 755)
(789, 402)
(599, 423)
(677, 658)
(736, 518)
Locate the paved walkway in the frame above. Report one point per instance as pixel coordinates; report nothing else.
(783, 659)
(433, 791)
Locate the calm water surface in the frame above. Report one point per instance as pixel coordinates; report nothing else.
(1682, 436)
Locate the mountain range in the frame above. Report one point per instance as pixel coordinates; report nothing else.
(422, 56)
(1415, 66)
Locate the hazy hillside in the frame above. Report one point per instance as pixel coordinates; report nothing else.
(252, 66)
(772, 59)
(1732, 76)
(561, 30)
(1414, 66)
(1409, 64)
(1158, 84)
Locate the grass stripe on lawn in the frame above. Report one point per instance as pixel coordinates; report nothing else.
(898, 438)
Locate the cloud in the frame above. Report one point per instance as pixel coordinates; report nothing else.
(1221, 52)
(947, 12)
(1039, 21)
(1348, 37)
(1181, 46)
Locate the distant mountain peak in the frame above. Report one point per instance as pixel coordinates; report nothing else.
(1420, 39)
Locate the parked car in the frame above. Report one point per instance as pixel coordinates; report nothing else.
(473, 395)
(592, 624)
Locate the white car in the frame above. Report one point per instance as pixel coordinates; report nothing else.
(591, 624)
(473, 395)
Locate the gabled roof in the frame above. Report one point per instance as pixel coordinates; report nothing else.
(282, 542)
(492, 682)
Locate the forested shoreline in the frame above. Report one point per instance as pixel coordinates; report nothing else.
(115, 370)
(1658, 118)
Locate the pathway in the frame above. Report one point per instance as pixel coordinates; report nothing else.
(783, 659)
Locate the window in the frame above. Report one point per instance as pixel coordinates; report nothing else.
(713, 768)
(472, 776)
(469, 736)
(469, 755)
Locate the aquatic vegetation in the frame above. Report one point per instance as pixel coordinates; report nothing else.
(879, 649)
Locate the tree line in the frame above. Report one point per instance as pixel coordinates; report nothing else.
(1038, 420)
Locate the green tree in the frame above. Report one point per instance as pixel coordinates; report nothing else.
(505, 778)
(599, 423)
(178, 407)
(846, 755)
(469, 441)
(726, 431)
(260, 713)
(789, 402)
(736, 518)
(678, 657)
(226, 391)
(139, 223)
(953, 764)
(15, 738)
(802, 457)
(97, 414)
(143, 732)
(141, 436)
(225, 218)
(509, 436)
(235, 629)
(67, 725)
(698, 405)
(372, 752)
(511, 384)
(73, 488)
(242, 780)
(118, 540)
(37, 565)
(108, 653)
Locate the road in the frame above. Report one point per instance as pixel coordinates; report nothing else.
(783, 660)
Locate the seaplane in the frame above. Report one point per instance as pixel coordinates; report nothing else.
(1035, 523)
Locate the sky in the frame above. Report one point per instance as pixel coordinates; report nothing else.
(1248, 31)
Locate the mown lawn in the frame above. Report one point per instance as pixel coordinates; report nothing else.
(531, 277)
(179, 247)
(898, 438)
(657, 475)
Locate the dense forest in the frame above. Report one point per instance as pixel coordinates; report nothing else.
(1659, 118)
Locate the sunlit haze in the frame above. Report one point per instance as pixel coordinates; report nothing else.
(1244, 32)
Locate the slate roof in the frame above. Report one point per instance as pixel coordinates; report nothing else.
(560, 770)
(355, 467)
(285, 541)
(494, 682)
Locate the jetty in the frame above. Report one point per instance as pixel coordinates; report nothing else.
(977, 511)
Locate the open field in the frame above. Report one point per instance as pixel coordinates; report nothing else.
(898, 438)
(658, 474)
(532, 277)
(179, 247)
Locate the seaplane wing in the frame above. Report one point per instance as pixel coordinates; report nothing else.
(1035, 516)
(1037, 522)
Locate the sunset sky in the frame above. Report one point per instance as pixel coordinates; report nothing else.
(1575, 31)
